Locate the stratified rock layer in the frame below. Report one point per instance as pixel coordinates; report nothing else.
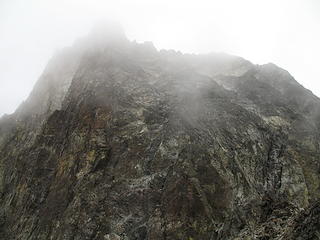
(120, 141)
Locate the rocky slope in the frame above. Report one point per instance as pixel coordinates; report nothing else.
(121, 141)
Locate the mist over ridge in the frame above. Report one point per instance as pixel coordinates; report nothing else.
(32, 31)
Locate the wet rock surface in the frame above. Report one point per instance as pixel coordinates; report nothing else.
(120, 141)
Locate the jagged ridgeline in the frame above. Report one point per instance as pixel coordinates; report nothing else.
(120, 141)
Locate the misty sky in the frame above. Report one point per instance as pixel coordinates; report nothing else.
(285, 32)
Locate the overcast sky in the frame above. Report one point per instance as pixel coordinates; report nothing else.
(285, 32)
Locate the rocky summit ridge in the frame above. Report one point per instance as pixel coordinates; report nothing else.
(118, 140)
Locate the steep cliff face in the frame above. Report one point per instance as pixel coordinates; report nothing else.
(120, 141)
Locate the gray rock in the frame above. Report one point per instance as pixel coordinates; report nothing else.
(120, 141)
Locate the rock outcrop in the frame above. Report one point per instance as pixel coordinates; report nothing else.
(121, 141)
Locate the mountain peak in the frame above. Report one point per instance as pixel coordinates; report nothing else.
(121, 141)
